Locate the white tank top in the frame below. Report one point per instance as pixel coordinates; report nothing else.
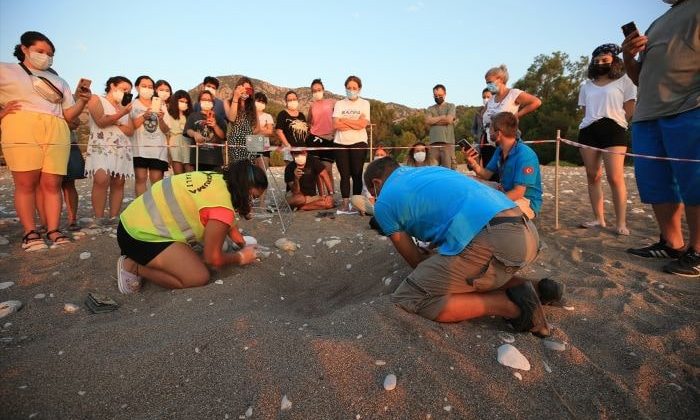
(506, 105)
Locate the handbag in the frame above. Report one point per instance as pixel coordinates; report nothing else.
(44, 88)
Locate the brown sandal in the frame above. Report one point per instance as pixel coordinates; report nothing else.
(61, 239)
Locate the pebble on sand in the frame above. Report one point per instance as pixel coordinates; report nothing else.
(506, 337)
(554, 345)
(85, 255)
(286, 245)
(447, 408)
(390, 382)
(6, 284)
(285, 404)
(518, 375)
(39, 296)
(249, 412)
(219, 282)
(379, 362)
(3, 240)
(331, 243)
(510, 356)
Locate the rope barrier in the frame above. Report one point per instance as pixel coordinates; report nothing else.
(307, 148)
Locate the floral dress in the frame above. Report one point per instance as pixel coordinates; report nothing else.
(109, 148)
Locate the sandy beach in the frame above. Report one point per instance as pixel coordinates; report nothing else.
(316, 325)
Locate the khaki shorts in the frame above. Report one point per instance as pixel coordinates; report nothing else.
(34, 141)
(487, 263)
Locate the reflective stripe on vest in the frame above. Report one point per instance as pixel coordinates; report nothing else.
(175, 209)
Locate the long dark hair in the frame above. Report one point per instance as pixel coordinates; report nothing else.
(249, 103)
(617, 69)
(240, 178)
(28, 39)
(173, 107)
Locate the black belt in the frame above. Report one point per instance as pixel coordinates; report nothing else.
(505, 219)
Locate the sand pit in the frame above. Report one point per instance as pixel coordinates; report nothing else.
(306, 326)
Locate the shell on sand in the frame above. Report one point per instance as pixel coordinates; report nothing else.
(510, 356)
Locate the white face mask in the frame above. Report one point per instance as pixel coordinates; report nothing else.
(182, 106)
(164, 95)
(260, 106)
(300, 160)
(419, 157)
(293, 105)
(118, 95)
(318, 95)
(146, 93)
(206, 105)
(210, 90)
(486, 100)
(40, 61)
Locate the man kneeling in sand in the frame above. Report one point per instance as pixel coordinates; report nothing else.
(308, 185)
(482, 240)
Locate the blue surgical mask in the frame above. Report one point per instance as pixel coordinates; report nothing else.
(351, 94)
(492, 87)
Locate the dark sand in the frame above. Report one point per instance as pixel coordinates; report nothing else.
(316, 332)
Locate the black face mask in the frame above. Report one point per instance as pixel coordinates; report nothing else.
(600, 69)
(439, 100)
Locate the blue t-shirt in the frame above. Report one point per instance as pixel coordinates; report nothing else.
(521, 167)
(437, 205)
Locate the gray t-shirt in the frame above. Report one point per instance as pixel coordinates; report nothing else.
(442, 133)
(669, 79)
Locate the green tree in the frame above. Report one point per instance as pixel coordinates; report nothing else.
(556, 80)
(382, 118)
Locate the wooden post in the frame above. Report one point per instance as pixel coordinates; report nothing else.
(556, 182)
(371, 151)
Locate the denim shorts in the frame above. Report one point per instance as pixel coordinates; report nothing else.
(487, 263)
(663, 181)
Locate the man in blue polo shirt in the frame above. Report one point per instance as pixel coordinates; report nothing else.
(481, 238)
(514, 161)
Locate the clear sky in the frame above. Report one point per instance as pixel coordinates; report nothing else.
(400, 49)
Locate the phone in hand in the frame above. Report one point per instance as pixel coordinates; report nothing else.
(84, 84)
(156, 104)
(629, 28)
(465, 144)
(126, 100)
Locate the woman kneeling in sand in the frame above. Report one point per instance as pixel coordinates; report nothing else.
(156, 228)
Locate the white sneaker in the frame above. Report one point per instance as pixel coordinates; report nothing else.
(127, 282)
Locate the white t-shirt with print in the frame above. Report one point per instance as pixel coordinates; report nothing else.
(351, 110)
(148, 141)
(16, 84)
(264, 119)
(507, 104)
(606, 101)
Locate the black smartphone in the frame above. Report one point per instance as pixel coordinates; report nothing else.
(464, 144)
(628, 28)
(126, 100)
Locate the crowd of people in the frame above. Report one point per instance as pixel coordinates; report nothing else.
(465, 236)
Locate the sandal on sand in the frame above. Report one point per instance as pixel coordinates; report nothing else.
(591, 224)
(127, 282)
(59, 239)
(73, 227)
(531, 313)
(32, 241)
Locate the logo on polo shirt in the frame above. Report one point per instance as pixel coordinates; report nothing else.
(528, 170)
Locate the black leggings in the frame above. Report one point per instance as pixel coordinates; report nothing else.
(350, 163)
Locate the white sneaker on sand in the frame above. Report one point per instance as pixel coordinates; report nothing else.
(127, 282)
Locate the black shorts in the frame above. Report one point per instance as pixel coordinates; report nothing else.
(150, 163)
(139, 251)
(324, 155)
(602, 134)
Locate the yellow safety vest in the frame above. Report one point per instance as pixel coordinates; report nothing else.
(169, 211)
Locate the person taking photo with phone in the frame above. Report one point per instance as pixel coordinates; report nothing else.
(515, 163)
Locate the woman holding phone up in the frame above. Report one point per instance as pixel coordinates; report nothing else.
(150, 136)
(242, 120)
